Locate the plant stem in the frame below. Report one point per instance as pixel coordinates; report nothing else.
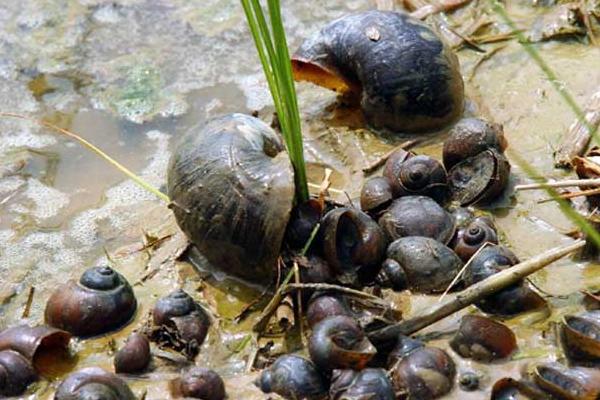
(474, 293)
(558, 184)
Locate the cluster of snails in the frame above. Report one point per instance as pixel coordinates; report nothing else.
(102, 301)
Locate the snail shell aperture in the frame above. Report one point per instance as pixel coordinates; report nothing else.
(93, 383)
(100, 302)
(293, 377)
(232, 187)
(408, 79)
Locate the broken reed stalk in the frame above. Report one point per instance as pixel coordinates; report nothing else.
(559, 184)
(475, 293)
(326, 287)
(566, 196)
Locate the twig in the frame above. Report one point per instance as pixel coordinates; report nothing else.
(566, 196)
(380, 161)
(326, 287)
(27, 308)
(558, 184)
(577, 139)
(442, 6)
(462, 271)
(484, 58)
(265, 316)
(474, 293)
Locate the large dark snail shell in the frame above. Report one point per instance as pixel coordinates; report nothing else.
(425, 373)
(569, 383)
(134, 356)
(199, 383)
(479, 179)
(422, 175)
(483, 339)
(472, 237)
(410, 80)
(293, 377)
(93, 383)
(339, 343)
(231, 186)
(352, 241)
(323, 305)
(16, 373)
(417, 216)
(100, 302)
(181, 316)
(581, 335)
(509, 301)
(471, 136)
(376, 195)
(368, 384)
(428, 265)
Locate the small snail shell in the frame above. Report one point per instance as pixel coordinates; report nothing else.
(178, 310)
(352, 241)
(469, 381)
(293, 377)
(93, 383)
(100, 302)
(339, 343)
(581, 335)
(512, 300)
(472, 237)
(232, 187)
(479, 179)
(16, 373)
(568, 383)
(323, 305)
(512, 389)
(427, 264)
(483, 339)
(305, 216)
(376, 195)
(471, 136)
(354, 54)
(313, 269)
(422, 175)
(199, 383)
(392, 276)
(391, 168)
(134, 356)
(424, 373)
(370, 383)
(417, 216)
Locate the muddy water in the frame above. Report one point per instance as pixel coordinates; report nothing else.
(132, 75)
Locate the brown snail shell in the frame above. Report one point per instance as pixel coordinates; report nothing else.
(304, 217)
(370, 383)
(576, 383)
(423, 373)
(352, 242)
(472, 237)
(323, 305)
(581, 335)
(479, 179)
(417, 216)
(93, 383)
(353, 54)
(134, 356)
(427, 265)
(339, 343)
(509, 301)
(391, 168)
(199, 383)
(232, 187)
(483, 339)
(422, 175)
(471, 136)
(376, 195)
(16, 373)
(512, 389)
(293, 377)
(184, 320)
(102, 301)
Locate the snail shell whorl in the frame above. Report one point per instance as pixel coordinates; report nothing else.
(231, 186)
(93, 383)
(100, 302)
(16, 373)
(408, 78)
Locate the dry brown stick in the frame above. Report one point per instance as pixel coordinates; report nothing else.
(558, 184)
(409, 144)
(335, 288)
(565, 196)
(27, 308)
(474, 293)
(577, 139)
(442, 6)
